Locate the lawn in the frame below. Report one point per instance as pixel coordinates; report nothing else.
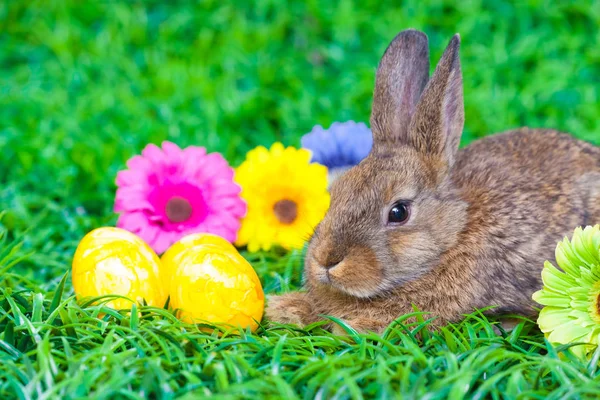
(86, 85)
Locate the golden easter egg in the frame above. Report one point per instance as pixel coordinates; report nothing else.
(170, 257)
(114, 261)
(211, 282)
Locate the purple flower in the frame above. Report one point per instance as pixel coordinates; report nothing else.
(343, 145)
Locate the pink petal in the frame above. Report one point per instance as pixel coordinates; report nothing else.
(224, 174)
(238, 210)
(205, 226)
(194, 152)
(163, 241)
(224, 196)
(149, 234)
(139, 163)
(154, 154)
(216, 160)
(225, 191)
(129, 191)
(131, 177)
(226, 182)
(127, 204)
(222, 223)
(233, 205)
(171, 149)
(211, 166)
(131, 195)
(191, 164)
(132, 221)
(228, 221)
(231, 202)
(174, 161)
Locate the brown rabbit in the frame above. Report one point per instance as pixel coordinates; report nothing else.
(421, 222)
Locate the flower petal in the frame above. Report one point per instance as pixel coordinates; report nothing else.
(342, 144)
(139, 163)
(548, 298)
(163, 240)
(556, 280)
(132, 221)
(567, 333)
(129, 198)
(131, 177)
(552, 317)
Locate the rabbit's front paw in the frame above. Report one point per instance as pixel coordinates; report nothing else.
(290, 308)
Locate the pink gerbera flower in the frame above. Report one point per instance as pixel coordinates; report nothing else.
(169, 193)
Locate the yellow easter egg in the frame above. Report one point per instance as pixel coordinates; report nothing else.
(215, 284)
(114, 261)
(169, 258)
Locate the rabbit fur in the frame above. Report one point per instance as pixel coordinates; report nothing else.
(482, 219)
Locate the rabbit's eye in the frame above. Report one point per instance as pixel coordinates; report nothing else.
(399, 213)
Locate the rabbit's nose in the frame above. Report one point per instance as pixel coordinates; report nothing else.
(330, 265)
(332, 261)
(327, 257)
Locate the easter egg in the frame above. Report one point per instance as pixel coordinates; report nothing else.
(196, 239)
(114, 261)
(211, 282)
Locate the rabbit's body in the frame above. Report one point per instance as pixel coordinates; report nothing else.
(527, 190)
(449, 231)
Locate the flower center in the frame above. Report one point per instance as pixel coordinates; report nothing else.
(286, 211)
(178, 209)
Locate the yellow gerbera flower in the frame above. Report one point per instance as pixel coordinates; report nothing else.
(286, 196)
(572, 296)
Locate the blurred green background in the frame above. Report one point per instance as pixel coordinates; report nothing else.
(86, 85)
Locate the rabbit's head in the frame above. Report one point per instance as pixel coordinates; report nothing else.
(393, 215)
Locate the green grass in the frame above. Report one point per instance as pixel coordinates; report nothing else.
(84, 86)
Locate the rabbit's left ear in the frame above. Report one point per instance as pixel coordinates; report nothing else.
(401, 76)
(439, 118)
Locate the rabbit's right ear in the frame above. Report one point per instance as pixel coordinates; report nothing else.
(439, 118)
(401, 77)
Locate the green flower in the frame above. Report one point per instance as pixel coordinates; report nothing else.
(572, 296)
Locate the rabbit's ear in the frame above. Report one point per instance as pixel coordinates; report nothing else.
(438, 121)
(401, 76)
